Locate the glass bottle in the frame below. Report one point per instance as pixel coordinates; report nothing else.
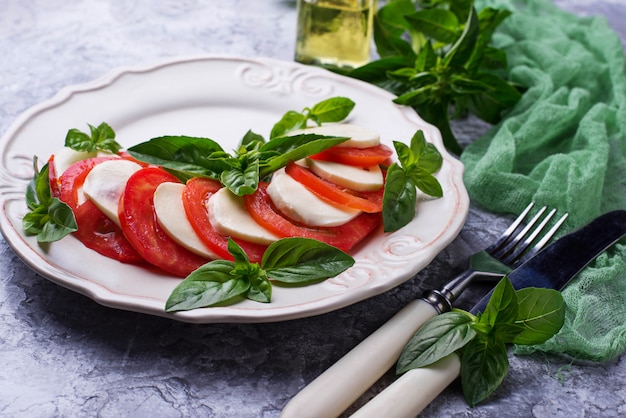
(335, 32)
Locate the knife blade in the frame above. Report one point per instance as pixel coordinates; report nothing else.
(553, 267)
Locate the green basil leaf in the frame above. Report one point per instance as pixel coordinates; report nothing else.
(490, 104)
(208, 285)
(426, 59)
(437, 113)
(61, 222)
(41, 183)
(102, 138)
(406, 156)
(304, 260)
(196, 156)
(294, 148)
(260, 289)
(424, 181)
(399, 199)
(49, 218)
(439, 24)
(334, 109)
(376, 73)
(431, 159)
(252, 141)
(290, 121)
(502, 306)
(463, 47)
(440, 336)
(484, 365)
(389, 27)
(242, 182)
(541, 313)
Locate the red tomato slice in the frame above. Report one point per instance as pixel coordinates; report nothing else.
(142, 229)
(55, 183)
(360, 157)
(370, 202)
(95, 229)
(344, 237)
(197, 192)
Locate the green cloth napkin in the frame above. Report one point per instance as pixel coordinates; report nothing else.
(563, 145)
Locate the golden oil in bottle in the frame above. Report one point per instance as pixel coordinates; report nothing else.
(335, 32)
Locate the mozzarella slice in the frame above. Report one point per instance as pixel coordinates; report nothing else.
(105, 184)
(362, 179)
(228, 214)
(359, 137)
(170, 212)
(65, 157)
(298, 203)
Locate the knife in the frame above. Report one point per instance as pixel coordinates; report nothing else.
(552, 268)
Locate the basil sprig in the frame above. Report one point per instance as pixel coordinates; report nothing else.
(255, 159)
(100, 138)
(49, 218)
(293, 261)
(417, 163)
(526, 316)
(435, 55)
(334, 109)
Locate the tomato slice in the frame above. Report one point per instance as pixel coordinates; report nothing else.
(370, 202)
(195, 196)
(142, 229)
(95, 229)
(344, 237)
(360, 157)
(55, 182)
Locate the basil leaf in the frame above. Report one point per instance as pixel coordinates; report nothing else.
(502, 306)
(334, 109)
(294, 148)
(541, 313)
(389, 27)
(463, 47)
(260, 289)
(49, 218)
(201, 156)
(102, 138)
(399, 199)
(304, 260)
(252, 141)
(484, 365)
(290, 121)
(439, 24)
(440, 336)
(242, 181)
(424, 181)
(210, 284)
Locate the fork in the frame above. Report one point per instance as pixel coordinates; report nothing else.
(343, 383)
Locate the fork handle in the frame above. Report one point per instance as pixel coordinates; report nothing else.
(413, 391)
(337, 388)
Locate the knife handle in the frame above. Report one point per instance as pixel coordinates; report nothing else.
(413, 391)
(337, 388)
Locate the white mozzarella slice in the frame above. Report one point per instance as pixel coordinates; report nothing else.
(362, 179)
(65, 157)
(298, 203)
(105, 184)
(360, 137)
(170, 212)
(228, 214)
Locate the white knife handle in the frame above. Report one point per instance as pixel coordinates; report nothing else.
(413, 391)
(344, 382)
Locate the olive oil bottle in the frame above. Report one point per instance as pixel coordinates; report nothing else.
(335, 32)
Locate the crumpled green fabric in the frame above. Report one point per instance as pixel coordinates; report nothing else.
(563, 145)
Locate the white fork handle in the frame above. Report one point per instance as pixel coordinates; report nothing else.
(413, 391)
(344, 382)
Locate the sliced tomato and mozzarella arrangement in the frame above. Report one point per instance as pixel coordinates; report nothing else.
(136, 213)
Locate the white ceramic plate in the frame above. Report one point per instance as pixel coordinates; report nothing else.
(220, 98)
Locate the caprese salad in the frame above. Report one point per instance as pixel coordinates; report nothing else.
(177, 203)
